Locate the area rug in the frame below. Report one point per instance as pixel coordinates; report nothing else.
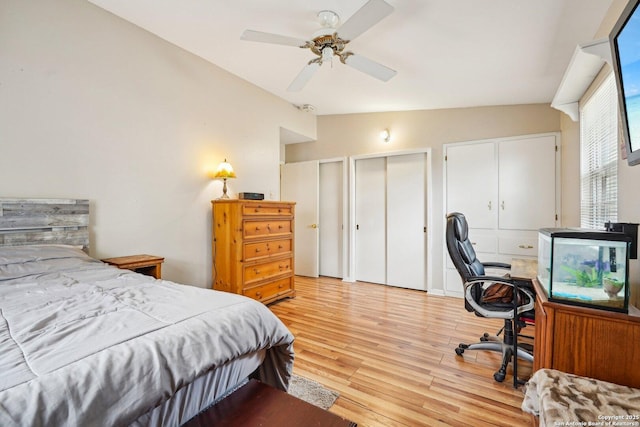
(312, 392)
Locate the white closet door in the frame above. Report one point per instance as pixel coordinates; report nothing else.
(299, 183)
(370, 207)
(472, 187)
(527, 183)
(406, 221)
(330, 226)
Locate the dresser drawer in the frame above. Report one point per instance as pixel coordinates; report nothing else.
(267, 210)
(481, 242)
(270, 290)
(527, 246)
(259, 250)
(266, 228)
(257, 272)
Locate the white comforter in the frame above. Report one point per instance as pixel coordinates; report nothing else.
(82, 343)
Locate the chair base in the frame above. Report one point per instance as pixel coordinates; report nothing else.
(506, 347)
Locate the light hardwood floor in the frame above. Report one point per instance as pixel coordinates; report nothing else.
(389, 352)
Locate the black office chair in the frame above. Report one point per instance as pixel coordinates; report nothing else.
(514, 306)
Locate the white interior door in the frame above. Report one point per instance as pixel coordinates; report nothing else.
(406, 221)
(299, 183)
(472, 187)
(527, 183)
(370, 216)
(331, 219)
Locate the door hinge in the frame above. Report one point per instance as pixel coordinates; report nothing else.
(445, 157)
(556, 217)
(424, 229)
(556, 148)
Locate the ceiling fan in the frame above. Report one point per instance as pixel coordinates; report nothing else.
(330, 41)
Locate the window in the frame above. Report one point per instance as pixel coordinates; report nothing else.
(599, 157)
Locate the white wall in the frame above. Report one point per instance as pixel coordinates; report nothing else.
(94, 107)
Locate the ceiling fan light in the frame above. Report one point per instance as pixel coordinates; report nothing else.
(327, 54)
(328, 19)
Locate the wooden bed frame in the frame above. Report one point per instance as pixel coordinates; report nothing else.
(44, 221)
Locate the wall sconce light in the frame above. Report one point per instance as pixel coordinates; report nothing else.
(224, 172)
(385, 135)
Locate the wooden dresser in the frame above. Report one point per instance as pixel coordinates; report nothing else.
(253, 248)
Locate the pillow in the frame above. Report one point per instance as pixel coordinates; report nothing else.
(28, 253)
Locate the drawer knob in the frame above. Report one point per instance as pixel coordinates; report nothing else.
(257, 228)
(279, 246)
(256, 271)
(525, 246)
(257, 250)
(259, 294)
(257, 210)
(280, 226)
(280, 286)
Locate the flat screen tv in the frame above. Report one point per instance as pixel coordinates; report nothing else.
(625, 47)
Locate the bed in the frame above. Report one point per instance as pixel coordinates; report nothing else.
(85, 343)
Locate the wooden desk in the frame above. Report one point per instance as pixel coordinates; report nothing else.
(524, 269)
(150, 265)
(258, 405)
(586, 341)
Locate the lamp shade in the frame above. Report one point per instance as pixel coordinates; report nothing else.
(224, 171)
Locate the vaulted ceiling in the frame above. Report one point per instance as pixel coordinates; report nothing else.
(447, 53)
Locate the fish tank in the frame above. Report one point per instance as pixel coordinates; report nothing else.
(585, 267)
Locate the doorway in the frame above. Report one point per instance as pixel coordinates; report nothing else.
(318, 188)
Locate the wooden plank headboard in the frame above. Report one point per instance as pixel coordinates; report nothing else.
(39, 221)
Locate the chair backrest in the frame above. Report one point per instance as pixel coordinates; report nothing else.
(461, 250)
(460, 247)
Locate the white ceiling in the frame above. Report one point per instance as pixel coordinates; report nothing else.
(448, 53)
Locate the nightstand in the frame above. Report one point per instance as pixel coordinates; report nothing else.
(150, 265)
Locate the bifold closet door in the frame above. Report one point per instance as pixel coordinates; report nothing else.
(406, 221)
(370, 215)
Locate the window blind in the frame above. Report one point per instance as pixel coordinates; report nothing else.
(599, 157)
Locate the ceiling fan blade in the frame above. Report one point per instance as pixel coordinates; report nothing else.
(366, 17)
(370, 67)
(304, 76)
(259, 36)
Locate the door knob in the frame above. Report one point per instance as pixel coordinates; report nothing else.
(314, 225)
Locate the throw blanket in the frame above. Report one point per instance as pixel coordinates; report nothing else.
(561, 399)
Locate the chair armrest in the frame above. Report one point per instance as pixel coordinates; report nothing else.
(494, 279)
(502, 265)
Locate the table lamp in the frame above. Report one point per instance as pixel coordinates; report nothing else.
(224, 171)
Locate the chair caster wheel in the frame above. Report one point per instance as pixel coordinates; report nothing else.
(459, 351)
(484, 337)
(499, 376)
